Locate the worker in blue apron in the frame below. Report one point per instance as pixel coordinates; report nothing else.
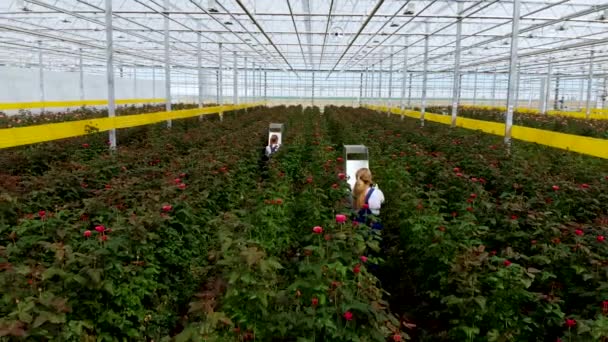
(367, 198)
(273, 147)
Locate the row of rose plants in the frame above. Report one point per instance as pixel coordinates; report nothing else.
(483, 244)
(295, 267)
(112, 246)
(557, 123)
(181, 234)
(27, 118)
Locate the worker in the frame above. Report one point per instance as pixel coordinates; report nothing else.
(367, 197)
(273, 147)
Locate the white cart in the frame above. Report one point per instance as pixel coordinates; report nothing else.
(356, 157)
(276, 129)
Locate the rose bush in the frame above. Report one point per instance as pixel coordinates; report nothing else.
(505, 264)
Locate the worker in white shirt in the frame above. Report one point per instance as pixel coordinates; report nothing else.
(273, 147)
(368, 198)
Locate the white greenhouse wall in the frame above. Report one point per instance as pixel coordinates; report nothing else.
(22, 85)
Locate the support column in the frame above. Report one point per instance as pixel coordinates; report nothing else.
(110, 71)
(135, 81)
(475, 88)
(404, 78)
(167, 63)
(81, 75)
(235, 82)
(604, 91)
(253, 86)
(246, 92)
(530, 94)
(153, 82)
(494, 80)
(541, 96)
(556, 94)
(265, 87)
(581, 94)
(409, 91)
(199, 66)
(380, 83)
(548, 87)
(312, 94)
(424, 75)
(260, 81)
(516, 101)
(371, 88)
(390, 84)
(220, 80)
(360, 89)
(512, 72)
(589, 86)
(41, 74)
(456, 82)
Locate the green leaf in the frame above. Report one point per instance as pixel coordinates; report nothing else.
(25, 317)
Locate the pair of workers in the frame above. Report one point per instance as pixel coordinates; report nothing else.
(367, 197)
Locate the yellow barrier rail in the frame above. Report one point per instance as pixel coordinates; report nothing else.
(570, 142)
(55, 104)
(596, 113)
(11, 137)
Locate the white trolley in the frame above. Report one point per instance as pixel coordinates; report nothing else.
(275, 129)
(356, 157)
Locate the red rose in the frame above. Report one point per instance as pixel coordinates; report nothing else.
(87, 233)
(348, 316)
(315, 301)
(570, 322)
(317, 230)
(507, 263)
(473, 196)
(600, 238)
(177, 180)
(555, 187)
(182, 186)
(339, 159)
(578, 232)
(167, 208)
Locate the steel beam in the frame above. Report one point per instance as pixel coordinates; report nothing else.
(456, 82)
(246, 81)
(80, 74)
(110, 71)
(199, 67)
(512, 88)
(424, 75)
(41, 73)
(547, 90)
(404, 78)
(235, 81)
(475, 88)
(589, 86)
(220, 80)
(390, 84)
(167, 63)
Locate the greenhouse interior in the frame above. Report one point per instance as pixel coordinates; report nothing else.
(303, 170)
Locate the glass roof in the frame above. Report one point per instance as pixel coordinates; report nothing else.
(327, 36)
